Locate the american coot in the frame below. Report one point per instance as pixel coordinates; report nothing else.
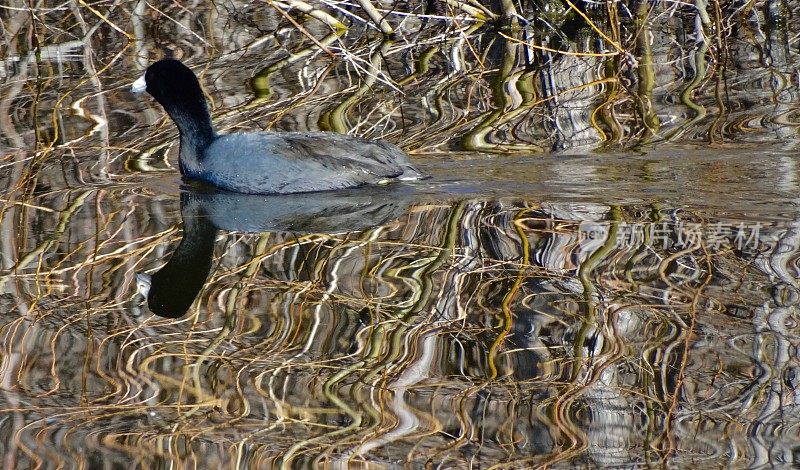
(265, 162)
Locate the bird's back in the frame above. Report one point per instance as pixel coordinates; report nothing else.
(293, 162)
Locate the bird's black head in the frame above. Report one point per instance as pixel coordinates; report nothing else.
(177, 89)
(174, 86)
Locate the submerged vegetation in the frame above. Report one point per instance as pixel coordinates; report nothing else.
(516, 310)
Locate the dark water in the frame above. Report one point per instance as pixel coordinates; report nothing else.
(558, 293)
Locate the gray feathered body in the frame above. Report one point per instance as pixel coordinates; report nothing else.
(292, 162)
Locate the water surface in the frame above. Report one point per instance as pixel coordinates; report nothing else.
(594, 275)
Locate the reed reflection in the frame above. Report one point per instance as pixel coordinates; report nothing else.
(171, 290)
(530, 326)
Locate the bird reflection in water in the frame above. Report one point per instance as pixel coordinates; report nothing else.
(171, 290)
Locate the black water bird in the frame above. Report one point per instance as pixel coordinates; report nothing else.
(265, 162)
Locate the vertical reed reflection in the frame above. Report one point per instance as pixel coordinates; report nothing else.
(478, 330)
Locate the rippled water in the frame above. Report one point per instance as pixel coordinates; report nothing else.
(589, 306)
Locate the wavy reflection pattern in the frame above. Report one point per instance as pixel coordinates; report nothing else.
(474, 331)
(467, 331)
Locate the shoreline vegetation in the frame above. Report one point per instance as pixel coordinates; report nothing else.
(436, 76)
